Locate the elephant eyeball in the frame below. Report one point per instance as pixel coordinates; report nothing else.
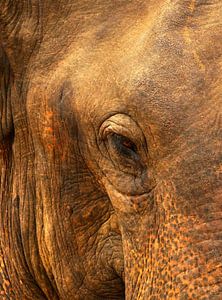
(124, 146)
(129, 144)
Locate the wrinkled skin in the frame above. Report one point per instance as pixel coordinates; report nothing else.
(111, 149)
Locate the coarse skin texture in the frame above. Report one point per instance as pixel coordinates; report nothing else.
(111, 149)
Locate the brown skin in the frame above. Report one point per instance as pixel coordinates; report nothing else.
(111, 152)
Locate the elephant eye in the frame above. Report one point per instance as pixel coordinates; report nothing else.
(124, 146)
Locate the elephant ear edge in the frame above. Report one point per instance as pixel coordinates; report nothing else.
(6, 83)
(6, 139)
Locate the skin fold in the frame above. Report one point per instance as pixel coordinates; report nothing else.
(111, 149)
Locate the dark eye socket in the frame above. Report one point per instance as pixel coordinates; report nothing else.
(124, 146)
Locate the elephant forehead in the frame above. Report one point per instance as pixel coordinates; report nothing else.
(158, 57)
(167, 62)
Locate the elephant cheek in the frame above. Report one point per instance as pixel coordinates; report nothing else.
(171, 267)
(168, 253)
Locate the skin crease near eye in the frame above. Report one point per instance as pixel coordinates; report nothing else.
(125, 127)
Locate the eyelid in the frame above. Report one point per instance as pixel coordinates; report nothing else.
(115, 129)
(124, 125)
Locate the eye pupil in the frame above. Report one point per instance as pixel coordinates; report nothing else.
(129, 144)
(124, 145)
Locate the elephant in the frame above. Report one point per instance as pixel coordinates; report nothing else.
(111, 149)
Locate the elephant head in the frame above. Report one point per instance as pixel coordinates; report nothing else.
(111, 149)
